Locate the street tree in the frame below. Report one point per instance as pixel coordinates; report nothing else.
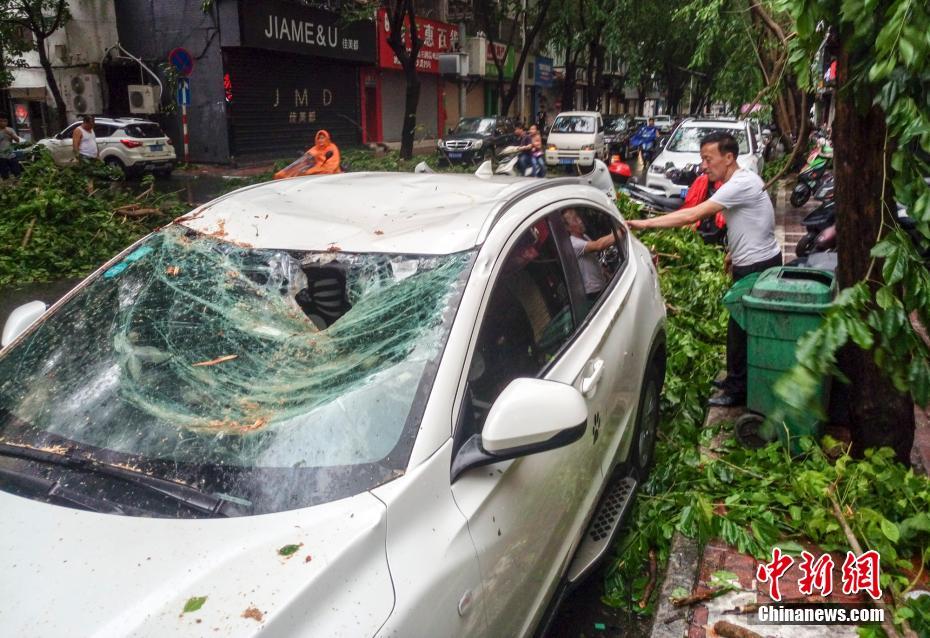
(41, 18)
(524, 22)
(876, 334)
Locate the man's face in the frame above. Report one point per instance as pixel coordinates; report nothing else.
(4, 122)
(573, 222)
(88, 125)
(651, 122)
(714, 163)
(534, 130)
(518, 130)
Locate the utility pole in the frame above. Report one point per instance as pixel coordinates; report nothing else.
(523, 70)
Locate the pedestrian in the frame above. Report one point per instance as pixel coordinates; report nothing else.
(538, 157)
(525, 147)
(541, 119)
(752, 246)
(9, 165)
(84, 141)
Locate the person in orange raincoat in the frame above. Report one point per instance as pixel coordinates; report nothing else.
(320, 159)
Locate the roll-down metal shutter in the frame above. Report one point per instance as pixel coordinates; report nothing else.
(277, 102)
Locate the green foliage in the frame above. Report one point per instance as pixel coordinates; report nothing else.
(63, 222)
(707, 486)
(889, 56)
(774, 167)
(194, 603)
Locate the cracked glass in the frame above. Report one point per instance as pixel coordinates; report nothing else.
(232, 368)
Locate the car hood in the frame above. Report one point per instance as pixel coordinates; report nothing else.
(467, 136)
(74, 573)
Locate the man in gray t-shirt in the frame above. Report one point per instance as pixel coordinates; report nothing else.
(586, 250)
(750, 236)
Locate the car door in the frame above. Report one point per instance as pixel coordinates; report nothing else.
(527, 515)
(61, 146)
(599, 138)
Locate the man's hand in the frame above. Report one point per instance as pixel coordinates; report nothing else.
(636, 224)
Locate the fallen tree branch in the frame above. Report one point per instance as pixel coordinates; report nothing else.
(28, 234)
(887, 625)
(693, 599)
(138, 212)
(651, 584)
(729, 630)
(802, 138)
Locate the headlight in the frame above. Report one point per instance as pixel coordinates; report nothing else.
(477, 144)
(587, 147)
(552, 147)
(656, 169)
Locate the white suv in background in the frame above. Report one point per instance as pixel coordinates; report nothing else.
(684, 147)
(131, 144)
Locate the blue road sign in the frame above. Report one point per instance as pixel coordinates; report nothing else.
(182, 60)
(184, 92)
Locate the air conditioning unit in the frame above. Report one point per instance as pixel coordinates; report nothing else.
(83, 94)
(142, 98)
(454, 64)
(477, 48)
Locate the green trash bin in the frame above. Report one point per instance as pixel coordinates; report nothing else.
(776, 309)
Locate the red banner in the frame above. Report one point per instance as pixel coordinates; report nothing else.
(436, 38)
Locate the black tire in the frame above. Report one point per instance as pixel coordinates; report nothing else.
(642, 449)
(800, 194)
(750, 432)
(805, 245)
(115, 162)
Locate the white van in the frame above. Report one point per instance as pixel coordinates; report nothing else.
(576, 137)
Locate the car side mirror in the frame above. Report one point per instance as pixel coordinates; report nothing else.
(20, 319)
(530, 416)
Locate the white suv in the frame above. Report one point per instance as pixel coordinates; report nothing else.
(131, 144)
(684, 147)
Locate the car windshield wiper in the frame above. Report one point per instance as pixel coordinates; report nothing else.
(59, 455)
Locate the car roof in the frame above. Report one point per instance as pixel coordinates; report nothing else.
(398, 213)
(592, 113)
(117, 121)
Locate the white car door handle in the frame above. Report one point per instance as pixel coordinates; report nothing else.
(589, 381)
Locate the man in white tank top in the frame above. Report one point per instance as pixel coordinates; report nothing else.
(83, 141)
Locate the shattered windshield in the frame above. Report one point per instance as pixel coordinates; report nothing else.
(687, 139)
(474, 125)
(240, 366)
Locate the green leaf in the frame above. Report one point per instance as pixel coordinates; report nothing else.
(289, 550)
(885, 297)
(194, 604)
(908, 53)
(890, 530)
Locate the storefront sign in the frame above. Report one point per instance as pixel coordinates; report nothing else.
(544, 71)
(504, 54)
(436, 38)
(284, 26)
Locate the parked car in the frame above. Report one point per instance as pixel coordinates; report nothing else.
(131, 144)
(475, 139)
(363, 404)
(684, 148)
(664, 122)
(576, 137)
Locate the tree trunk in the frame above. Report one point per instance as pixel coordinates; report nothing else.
(410, 113)
(641, 100)
(878, 414)
(541, 10)
(568, 86)
(52, 83)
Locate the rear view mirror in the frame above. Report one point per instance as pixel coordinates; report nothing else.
(20, 319)
(530, 416)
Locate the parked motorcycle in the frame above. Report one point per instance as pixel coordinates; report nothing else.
(819, 161)
(816, 224)
(644, 140)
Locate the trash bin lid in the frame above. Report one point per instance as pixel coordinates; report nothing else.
(787, 285)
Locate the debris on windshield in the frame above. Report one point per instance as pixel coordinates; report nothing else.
(253, 613)
(173, 271)
(194, 603)
(289, 550)
(213, 362)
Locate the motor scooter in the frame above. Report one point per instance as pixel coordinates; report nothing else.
(819, 161)
(509, 164)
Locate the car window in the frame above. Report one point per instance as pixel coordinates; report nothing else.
(103, 130)
(527, 320)
(68, 132)
(145, 130)
(687, 139)
(574, 124)
(474, 125)
(280, 378)
(597, 268)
